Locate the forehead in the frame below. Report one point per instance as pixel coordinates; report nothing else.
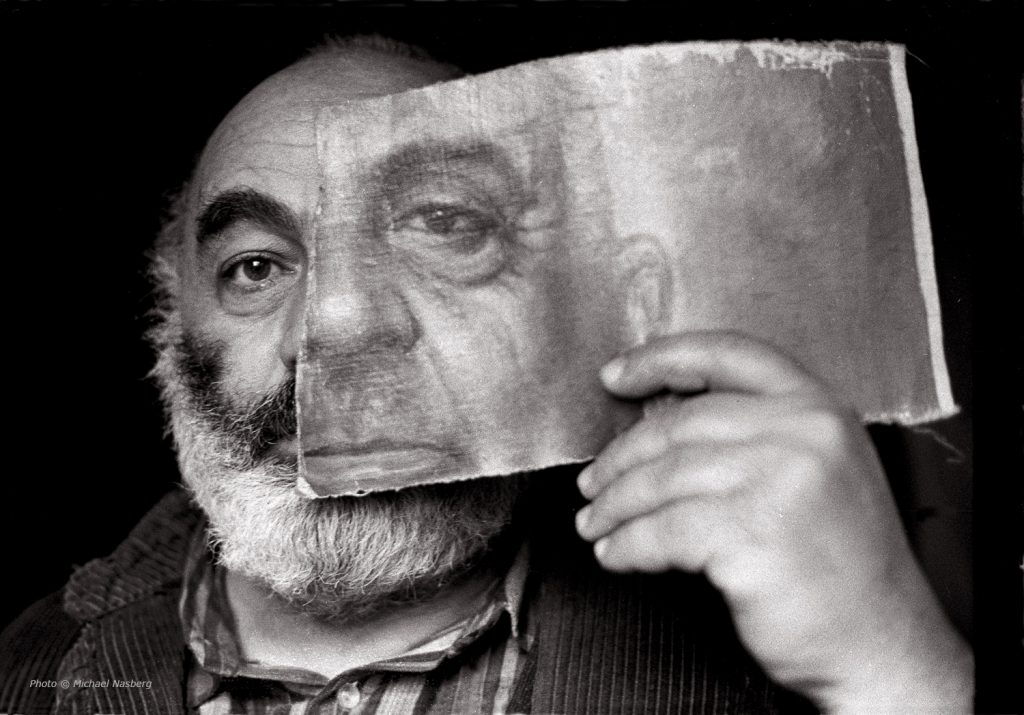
(268, 143)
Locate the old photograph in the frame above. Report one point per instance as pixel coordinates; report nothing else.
(534, 357)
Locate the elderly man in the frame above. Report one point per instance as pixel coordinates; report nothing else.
(472, 596)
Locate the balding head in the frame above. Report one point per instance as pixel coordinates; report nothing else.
(267, 144)
(269, 135)
(270, 130)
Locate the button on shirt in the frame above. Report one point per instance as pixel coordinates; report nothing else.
(472, 666)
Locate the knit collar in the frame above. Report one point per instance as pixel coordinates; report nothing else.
(150, 561)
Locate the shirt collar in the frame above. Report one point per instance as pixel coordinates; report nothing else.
(210, 632)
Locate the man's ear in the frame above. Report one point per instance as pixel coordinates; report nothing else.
(646, 280)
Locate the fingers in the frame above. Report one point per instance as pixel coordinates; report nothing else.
(719, 417)
(698, 361)
(677, 536)
(678, 474)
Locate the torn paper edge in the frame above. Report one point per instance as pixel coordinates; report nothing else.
(923, 251)
(769, 54)
(384, 484)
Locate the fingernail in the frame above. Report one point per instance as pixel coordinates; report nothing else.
(600, 548)
(611, 372)
(582, 519)
(585, 480)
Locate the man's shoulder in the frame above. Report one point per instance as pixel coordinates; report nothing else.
(150, 561)
(31, 650)
(148, 564)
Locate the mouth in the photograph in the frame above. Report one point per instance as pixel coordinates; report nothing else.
(375, 457)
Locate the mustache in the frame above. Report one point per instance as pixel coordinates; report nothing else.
(253, 427)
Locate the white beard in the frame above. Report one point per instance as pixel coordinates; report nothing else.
(337, 558)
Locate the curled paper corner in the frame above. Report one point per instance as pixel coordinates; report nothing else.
(358, 489)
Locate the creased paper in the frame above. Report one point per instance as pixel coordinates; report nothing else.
(483, 246)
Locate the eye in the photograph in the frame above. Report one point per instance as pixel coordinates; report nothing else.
(449, 210)
(459, 229)
(462, 241)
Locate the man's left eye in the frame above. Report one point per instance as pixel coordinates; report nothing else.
(251, 272)
(254, 283)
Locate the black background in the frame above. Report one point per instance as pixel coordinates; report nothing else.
(105, 107)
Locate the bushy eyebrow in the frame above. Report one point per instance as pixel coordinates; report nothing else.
(235, 205)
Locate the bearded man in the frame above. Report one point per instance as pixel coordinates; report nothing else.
(747, 555)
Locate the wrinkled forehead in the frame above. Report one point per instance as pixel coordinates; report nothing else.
(268, 141)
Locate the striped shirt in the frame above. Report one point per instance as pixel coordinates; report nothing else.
(472, 666)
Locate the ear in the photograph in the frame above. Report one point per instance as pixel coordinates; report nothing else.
(647, 287)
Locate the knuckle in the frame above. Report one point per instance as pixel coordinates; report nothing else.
(827, 426)
(664, 475)
(640, 360)
(804, 464)
(735, 470)
(680, 546)
(656, 436)
(695, 417)
(671, 529)
(733, 339)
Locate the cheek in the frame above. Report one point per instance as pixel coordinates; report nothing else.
(534, 349)
(257, 352)
(505, 344)
(523, 375)
(253, 363)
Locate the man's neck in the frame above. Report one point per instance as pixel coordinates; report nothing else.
(276, 633)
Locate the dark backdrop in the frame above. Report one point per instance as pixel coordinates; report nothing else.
(105, 107)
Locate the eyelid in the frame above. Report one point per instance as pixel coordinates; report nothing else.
(247, 235)
(430, 208)
(223, 255)
(239, 258)
(485, 211)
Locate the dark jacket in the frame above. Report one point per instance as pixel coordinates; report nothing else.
(605, 643)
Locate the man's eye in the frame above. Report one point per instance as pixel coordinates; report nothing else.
(251, 272)
(252, 283)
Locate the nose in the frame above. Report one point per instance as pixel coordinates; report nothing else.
(356, 309)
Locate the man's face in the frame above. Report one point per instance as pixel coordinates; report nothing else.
(228, 358)
(440, 338)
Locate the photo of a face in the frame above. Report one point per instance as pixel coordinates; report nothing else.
(469, 280)
(444, 336)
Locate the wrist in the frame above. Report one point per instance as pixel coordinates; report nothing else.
(932, 671)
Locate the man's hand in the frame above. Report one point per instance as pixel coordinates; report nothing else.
(771, 488)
